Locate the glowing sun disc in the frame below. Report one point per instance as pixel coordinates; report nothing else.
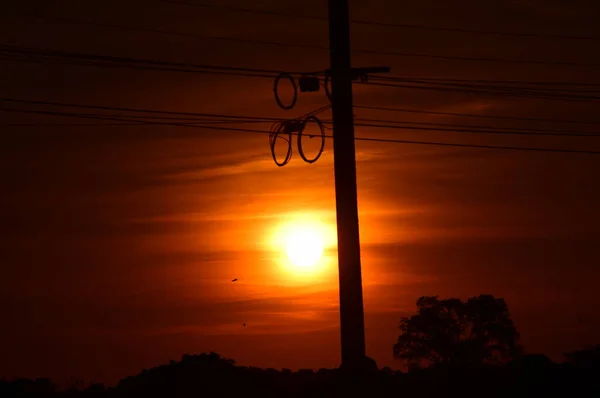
(304, 247)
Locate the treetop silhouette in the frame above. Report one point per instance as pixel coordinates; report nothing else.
(454, 332)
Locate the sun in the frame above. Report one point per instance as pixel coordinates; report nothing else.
(303, 242)
(304, 247)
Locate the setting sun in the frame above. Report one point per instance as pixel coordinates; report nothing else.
(304, 247)
(302, 241)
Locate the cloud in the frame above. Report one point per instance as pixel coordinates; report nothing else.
(251, 163)
(291, 312)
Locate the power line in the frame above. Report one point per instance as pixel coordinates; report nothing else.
(487, 91)
(137, 61)
(137, 110)
(558, 87)
(449, 144)
(383, 24)
(463, 130)
(233, 129)
(172, 32)
(532, 119)
(67, 124)
(306, 46)
(130, 124)
(140, 119)
(478, 59)
(473, 129)
(470, 129)
(65, 61)
(539, 93)
(224, 118)
(246, 10)
(317, 47)
(124, 119)
(364, 122)
(380, 123)
(194, 115)
(509, 83)
(473, 31)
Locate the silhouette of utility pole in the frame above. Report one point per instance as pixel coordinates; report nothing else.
(350, 278)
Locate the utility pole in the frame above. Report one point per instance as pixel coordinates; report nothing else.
(350, 278)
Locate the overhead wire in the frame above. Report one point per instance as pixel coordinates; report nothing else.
(239, 119)
(565, 89)
(246, 10)
(28, 54)
(318, 47)
(225, 118)
(507, 83)
(393, 124)
(24, 51)
(168, 32)
(299, 124)
(234, 129)
(525, 92)
(473, 31)
(137, 63)
(472, 115)
(129, 124)
(476, 59)
(134, 122)
(69, 124)
(457, 145)
(472, 129)
(524, 87)
(318, 111)
(65, 60)
(383, 24)
(136, 110)
(477, 131)
(490, 92)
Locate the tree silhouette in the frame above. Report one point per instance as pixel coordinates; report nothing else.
(586, 358)
(452, 332)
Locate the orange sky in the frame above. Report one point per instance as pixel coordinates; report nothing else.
(117, 245)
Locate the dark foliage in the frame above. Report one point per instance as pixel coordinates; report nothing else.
(209, 375)
(452, 332)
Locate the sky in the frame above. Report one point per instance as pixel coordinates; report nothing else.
(118, 244)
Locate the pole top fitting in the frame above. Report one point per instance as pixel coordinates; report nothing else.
(362, 74)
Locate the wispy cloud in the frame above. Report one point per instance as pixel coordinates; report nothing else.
(252, 164)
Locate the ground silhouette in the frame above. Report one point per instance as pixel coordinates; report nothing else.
(471, 351)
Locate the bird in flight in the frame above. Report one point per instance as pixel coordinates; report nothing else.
(235, 280)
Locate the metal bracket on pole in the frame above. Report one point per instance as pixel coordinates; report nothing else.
(362, 74)
(357, 74)
(309, 84)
